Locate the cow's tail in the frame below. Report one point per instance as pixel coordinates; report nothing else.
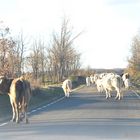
(21, 95)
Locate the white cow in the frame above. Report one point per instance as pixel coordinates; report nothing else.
(126, 80)
(113, 82)
(98, 81)
(110, 82)
(67, 87)
(88, 80)
(99, 85)
(91, 79)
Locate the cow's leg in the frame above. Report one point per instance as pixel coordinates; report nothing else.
(68, 94)
(13, 110)
(25, 113)
(107, 93)
(65, 91)
(118, 96)
(26, 118)
(98, 88)
(121, 94)
(101, 89)
(17, 115)
(17, 112)
(22, 116)
(14, 113)
(21, 113)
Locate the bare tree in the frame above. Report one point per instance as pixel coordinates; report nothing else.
(37, 60)
(20, 51)
(62, 57)
(7, 46)
(11, 52)
(59, 61)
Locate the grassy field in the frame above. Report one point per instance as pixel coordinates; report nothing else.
(39, 97)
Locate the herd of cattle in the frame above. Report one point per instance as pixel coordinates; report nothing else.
(19, 90)
(107, 82)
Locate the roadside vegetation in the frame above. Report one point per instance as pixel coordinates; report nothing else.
(134, 63)
(47, 64)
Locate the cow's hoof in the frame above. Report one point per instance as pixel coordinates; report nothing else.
(116, 98)
(13, 120)
(27, 121)
(17, 121)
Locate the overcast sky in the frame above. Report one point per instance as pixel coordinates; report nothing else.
(109, 25)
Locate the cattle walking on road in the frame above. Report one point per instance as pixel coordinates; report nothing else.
(109, 82)
(19, 91)
(67, 87)
(88, 80)
(126, 80)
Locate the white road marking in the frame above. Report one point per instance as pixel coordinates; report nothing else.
(136, 94)
(45, 106)
(3, 124)
(38, 108)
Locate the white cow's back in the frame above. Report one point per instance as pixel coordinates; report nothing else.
(67, 87)
(109, 82)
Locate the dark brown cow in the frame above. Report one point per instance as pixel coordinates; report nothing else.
(19, 92)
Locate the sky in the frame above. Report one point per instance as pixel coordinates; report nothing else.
(108, 26)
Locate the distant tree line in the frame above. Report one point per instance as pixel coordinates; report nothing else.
(40, 62)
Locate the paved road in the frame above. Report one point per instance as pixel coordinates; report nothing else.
(86, 115)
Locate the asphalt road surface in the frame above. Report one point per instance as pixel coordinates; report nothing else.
(86, 115)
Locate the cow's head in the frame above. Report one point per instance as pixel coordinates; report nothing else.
(4, 84)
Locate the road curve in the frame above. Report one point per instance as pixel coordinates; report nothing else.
(86, 115)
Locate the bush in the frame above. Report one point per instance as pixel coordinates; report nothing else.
(135, 80)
